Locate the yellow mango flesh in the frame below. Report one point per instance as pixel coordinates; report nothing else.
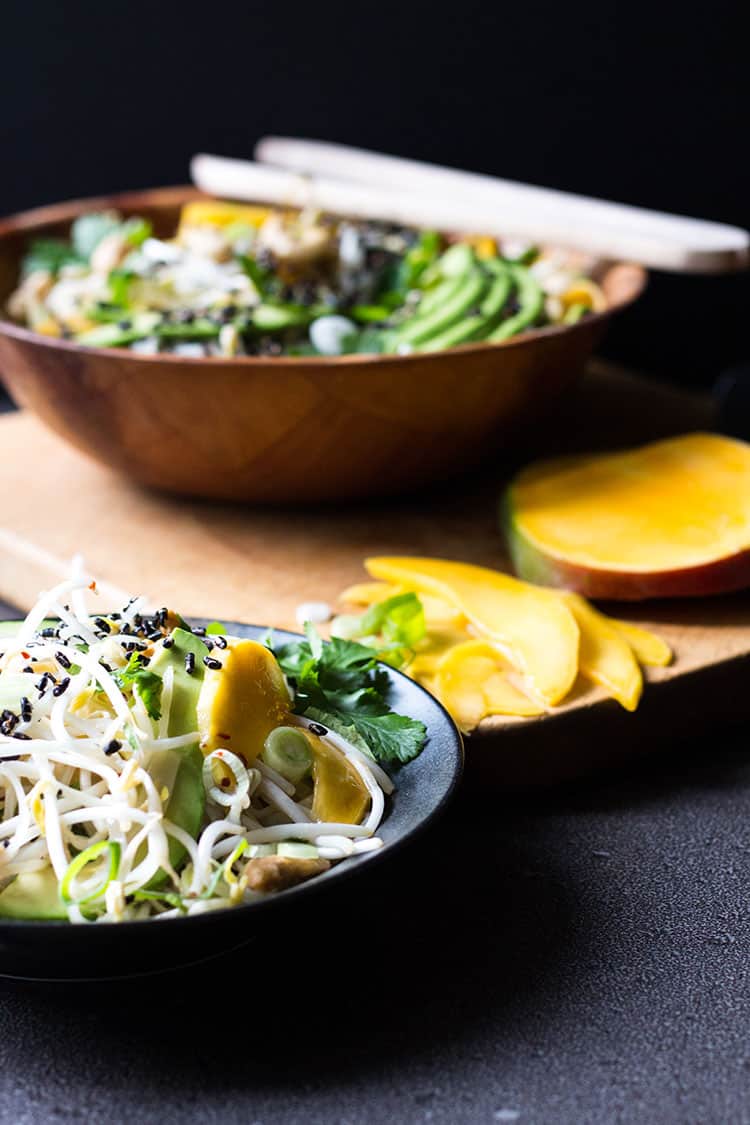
(605, 657)
(340, 796)
(472, 682)
(647, 647)
(534, 626)
(216, 213)
(437, 612)
(668, 506)
(241, 703)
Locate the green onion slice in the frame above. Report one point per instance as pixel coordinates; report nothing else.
(83, 859)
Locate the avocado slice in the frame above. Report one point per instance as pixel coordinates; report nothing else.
(187, 685)
(469, 292)
(181, 770)
(13, 686)
(33, 895)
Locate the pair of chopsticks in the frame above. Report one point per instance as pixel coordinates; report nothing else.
(368, 185)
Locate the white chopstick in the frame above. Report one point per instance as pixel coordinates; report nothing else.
(242, 179)
(612, 230)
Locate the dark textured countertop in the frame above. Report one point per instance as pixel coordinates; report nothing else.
(576, 956)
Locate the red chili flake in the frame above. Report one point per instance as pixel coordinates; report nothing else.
(26, 655)
(92, 586)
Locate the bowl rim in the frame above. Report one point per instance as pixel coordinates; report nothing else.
(66, 211)
(336, 874)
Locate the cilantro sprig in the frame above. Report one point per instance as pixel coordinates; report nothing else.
(341, 684)
(147, 684)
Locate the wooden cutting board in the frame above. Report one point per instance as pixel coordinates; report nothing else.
(257, 565)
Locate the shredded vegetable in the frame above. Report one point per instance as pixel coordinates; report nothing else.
(112, 805)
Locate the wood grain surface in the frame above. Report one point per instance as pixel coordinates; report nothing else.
(258, 564)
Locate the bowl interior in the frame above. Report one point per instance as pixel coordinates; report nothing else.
(621, 282)
(60, 951)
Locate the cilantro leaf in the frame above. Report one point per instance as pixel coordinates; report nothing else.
(49, 254)
(398, 623)
(341, 684)
(147, 684)
(216, 629)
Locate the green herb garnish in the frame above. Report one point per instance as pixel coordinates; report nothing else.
(341, 685)
(147, 684)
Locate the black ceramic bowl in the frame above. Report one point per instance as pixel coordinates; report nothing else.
(60, 951)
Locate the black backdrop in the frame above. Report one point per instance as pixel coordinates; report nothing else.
(643, 103)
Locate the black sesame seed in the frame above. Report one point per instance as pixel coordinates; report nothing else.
(61, 687)
(62, 659)
(106, 667)
(25, 709)
(210, 662)
(22, 736)
(319, 729)
(168, 642)
(10, 758)
(103, 625)
(116, 616)
(198, 631)
(190, 663)
(112, 747)
(28, 668)
(155, 636)
(220, 642)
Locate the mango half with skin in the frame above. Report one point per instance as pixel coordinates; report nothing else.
(242, 701)
(669, 519)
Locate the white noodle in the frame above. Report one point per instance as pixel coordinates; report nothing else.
(78, 777)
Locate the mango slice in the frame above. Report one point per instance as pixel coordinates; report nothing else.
(647, 647)
(340, 796)
(437, 612)
(534, 627)
(217, 213)
(472, 682)
(669, 519)
(605, 657)
(241, 703)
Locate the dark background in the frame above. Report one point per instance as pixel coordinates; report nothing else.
(642, 103)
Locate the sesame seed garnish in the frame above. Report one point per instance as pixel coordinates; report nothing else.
(220, 642)
(62, 659)
(112, 747)
(199, 631)
(155, 636)
(61, 687)
(22, 736)
(167, 642)
(103, 625)
(190, 663)
(25, 709)
(28, 668)
(214, 665)
(319, 729)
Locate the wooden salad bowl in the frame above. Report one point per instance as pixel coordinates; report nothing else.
(286, 429)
